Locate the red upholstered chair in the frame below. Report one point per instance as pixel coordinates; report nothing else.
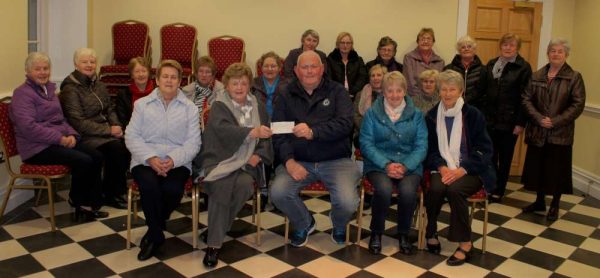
(43, 173)
(130, 39)
(316, 189)
(259, 69)
(226, 50)
(480, 198)
(178, 41)
(133, 195)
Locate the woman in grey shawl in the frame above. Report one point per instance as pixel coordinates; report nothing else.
(236, 142)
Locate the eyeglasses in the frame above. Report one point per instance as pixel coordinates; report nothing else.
(466, 46)
(270, 66)
(346, 43)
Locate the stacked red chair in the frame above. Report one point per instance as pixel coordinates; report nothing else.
(226, 50)
(178, 41)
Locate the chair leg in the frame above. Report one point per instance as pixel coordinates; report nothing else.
(287, 230)
(135, 210)
(257, 212)
(50, 202)
(485, 223)
(420, 222)
(359, 216)
(254, 209)
(194, 217)
(129, 201)
(472, 213)
(348, 233)
(6, 196)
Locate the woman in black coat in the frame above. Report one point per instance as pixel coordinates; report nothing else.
(345, 66)
(467, 63)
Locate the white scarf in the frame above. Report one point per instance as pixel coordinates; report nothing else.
(394, 113)
(450, 152)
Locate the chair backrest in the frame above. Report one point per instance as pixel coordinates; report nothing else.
(8, 144)
(178, 42)
(130, 39)
(259, 69)
(226, 50)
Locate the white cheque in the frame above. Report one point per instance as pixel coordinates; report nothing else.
(282, 127)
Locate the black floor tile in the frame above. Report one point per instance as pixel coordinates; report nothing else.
(233, 251)
(294, 256)
(488, 260)
(279, 229)
(20, 215)
(119, 223)
(514, 202)
(429, 274)
(4, 235)
(539, 219)
(493, 218)
(511, 236)
(363, 274)
(582, 219)
(173, 247)
(180, 225)
(294, 273)
(591, 202)
(241, 228)
(45, 240)
(20, 266)
(421, 259)
(68, 220)
(562, 236)
(595, 234)
(185, 208)
(226, 271)
(495, 275)
(586, 257)
(537, 258)
(104, 245)
(153, 270)
(356, 256)
(557, 275)
(88, 268)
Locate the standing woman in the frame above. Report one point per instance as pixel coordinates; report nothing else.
(44, 137)
(310, 41)
(386, 53)
(393, 142)
(140, 86)
(467, 63)
(88, 108)
(345, 66)
(237, 140)
(459, 155)
(505, 81)
(420, 59)
(163, 137)
(553, 100)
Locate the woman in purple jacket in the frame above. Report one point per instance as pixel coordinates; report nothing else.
(44, 137)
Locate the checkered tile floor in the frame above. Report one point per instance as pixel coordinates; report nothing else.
(518, 245)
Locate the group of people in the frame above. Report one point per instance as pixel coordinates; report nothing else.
(457, 123)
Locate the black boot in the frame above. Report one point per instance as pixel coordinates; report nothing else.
(211, 258)
(405, 245)
(375, 244)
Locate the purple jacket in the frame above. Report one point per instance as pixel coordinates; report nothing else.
(38, 119)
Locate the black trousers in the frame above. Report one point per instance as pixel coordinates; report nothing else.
(504, 147)
(160, 196)
(457, 194)
(86, 188)
(115, 157)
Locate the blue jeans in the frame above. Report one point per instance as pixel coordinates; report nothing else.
(340, 177)
(407, 200)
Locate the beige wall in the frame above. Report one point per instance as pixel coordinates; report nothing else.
(280, 28)
(14, 45)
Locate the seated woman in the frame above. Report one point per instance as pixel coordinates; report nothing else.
(310, 41)
(206, 88)
(44, 137)
(162, 151)
(88, 108)
(393, 142)
(467, 63)
(140, 86)
(460, 153)
(430, 96)
(345, 66)
(365, 98)
(420, 59)
(386, 53)
(235, 142)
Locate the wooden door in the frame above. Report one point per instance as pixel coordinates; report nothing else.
(488, 21)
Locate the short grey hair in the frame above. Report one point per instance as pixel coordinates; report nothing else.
(36, 57)
(559, 41)
(451, 77)
(465, 40)
(83, 52)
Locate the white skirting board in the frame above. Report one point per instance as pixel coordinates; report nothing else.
(587, 182)
(17, 197)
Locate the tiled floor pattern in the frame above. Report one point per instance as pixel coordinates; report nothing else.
(518, 245)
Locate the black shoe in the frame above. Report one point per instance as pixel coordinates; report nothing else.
(405, 245)
(535, 207)
(552, 214)
(454, 261)
(115, 202)
(211, 258)
(148, 250)
(204, 236)
(434, 248)
(144, 242)
(89, 215)
(375, 244)
(494, 198)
